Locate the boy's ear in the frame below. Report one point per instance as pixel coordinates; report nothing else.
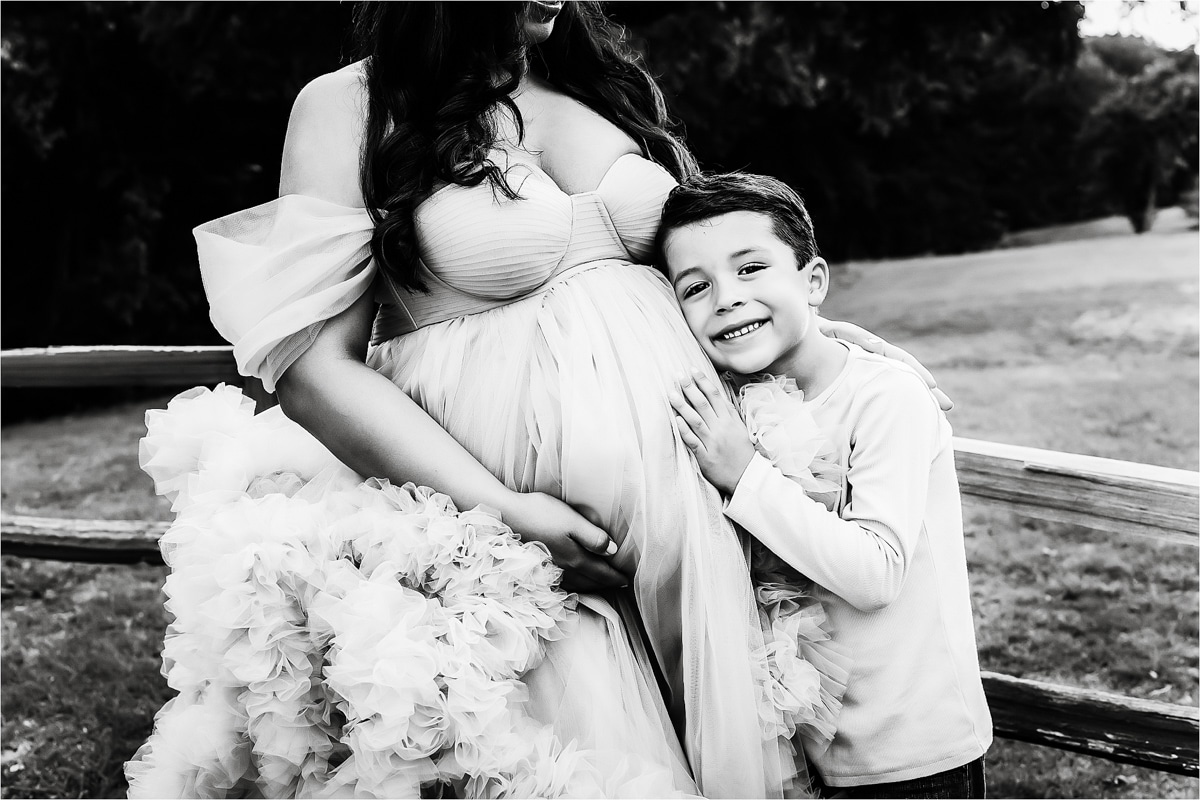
(818, 281)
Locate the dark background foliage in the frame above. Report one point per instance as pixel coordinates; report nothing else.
(125, 125)
(905, 125)
(910, 128)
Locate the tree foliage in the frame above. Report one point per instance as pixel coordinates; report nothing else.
(126, 124)
(1141, 137)
(906, 126)
(911, 128)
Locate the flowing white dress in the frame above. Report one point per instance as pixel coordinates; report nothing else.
(547, 351)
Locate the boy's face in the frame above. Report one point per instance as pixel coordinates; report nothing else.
(746, 300)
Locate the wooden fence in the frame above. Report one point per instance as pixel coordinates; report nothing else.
(1098, 493)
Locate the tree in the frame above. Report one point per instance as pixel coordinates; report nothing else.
(1141, 138)
(907, 127)
(126, 124)
(910, 128)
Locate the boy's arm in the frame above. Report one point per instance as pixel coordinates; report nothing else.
(862, 555)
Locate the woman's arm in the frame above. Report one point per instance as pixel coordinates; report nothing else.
(361, 416)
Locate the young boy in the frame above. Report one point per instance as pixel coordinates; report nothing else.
(889, 564)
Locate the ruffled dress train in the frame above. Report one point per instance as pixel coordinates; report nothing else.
(339, 637)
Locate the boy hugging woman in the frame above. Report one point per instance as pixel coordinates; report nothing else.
(885, 553)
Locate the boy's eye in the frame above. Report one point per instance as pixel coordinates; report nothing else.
(746, 269)
(693, 289)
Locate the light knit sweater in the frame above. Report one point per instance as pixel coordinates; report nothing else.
(891, 570)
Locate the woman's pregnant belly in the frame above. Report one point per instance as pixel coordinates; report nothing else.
(564, 391)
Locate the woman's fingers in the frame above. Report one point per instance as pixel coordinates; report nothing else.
(565, 531)
(943, 399)
(592, 537)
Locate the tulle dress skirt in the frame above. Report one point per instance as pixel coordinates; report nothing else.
(341, 637)
(565, 392)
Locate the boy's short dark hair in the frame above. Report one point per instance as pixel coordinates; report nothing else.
(702, 197)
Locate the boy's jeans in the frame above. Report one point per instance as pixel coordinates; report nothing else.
(961, 782)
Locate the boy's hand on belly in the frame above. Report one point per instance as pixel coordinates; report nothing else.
(713, 430)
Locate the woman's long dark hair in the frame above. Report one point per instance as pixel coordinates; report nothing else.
(435, 71)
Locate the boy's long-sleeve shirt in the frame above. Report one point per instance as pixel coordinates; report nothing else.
(890, 567)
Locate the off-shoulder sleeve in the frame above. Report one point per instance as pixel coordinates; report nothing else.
(276, 272)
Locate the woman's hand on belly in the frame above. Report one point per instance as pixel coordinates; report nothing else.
(580, 548)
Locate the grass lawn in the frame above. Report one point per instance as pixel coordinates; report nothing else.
(1082, 340)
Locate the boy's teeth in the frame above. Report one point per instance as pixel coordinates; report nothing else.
(742, 331)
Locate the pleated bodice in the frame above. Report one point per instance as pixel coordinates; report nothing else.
(481, 250)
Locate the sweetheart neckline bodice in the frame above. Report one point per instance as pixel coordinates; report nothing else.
(480, 250)
(533, 166)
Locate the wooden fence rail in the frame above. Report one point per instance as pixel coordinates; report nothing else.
(1099, 493)
(99, 541)
(1145, 733)
(111, 365)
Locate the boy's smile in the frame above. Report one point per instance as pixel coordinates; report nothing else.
(742, 293)
(739, 331)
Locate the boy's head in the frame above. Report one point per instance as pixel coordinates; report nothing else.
(740, 254)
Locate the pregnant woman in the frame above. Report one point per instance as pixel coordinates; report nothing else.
(449, 291)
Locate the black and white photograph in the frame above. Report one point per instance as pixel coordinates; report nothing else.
(577, 399)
